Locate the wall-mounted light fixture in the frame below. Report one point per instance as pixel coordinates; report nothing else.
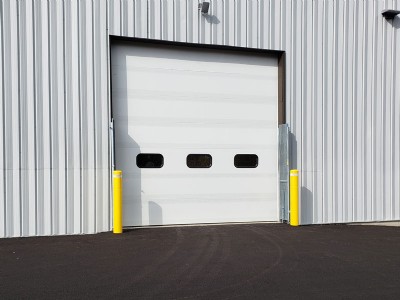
(389, 14)
(204, 7)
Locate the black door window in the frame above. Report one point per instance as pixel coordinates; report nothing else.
(199, 161)
(149, 160)
(246, 161)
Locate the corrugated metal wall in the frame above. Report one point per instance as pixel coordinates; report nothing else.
(54, 115)
(343, 101)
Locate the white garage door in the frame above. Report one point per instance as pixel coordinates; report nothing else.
(195, 134)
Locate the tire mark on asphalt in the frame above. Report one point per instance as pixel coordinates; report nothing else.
(281, 263)
(251, 279)
(288, 247)
(160, 261)
(204, 259)
(276, 263)
(206, 247)
(225, 254)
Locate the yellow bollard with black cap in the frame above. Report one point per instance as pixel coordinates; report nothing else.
(294, 197)
(117, 193)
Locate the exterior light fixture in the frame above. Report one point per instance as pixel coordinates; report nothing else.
(389, 14)
(204, 7)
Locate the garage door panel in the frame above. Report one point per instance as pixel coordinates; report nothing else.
(203, 96)
(223, 71)
(160, 185)
(216, 183)
(165, 54)
(222, 161)
(162, 181)
(136, 58)
(178, 102)
(200, 111)
(248, 148)
(234, 89)
(185, 210)
(206, 123)
(198, 136)
(237, 211)
(234, 85)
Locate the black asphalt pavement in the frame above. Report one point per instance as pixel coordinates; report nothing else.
(244, 261)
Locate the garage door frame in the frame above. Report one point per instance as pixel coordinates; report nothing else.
(279, 55)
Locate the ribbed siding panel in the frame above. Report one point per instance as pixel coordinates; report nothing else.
(342, 88)
(2, 146)
(54, 116)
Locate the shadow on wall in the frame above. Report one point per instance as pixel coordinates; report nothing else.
(137, 210)
(126, 147)
(126, 150)
(306, 208)
(212, 19)
(306, 196)
(396, 22)
(293, 151)
(155, 213)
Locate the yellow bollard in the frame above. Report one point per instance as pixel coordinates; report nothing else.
(117, 191)
(294, 197)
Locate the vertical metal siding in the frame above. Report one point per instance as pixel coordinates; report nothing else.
(54, 118)
(342, 87)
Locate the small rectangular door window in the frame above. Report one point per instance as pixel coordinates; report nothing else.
(246, 161)
(150, 160)
(199, 161)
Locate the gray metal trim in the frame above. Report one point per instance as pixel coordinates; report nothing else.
(283, 161)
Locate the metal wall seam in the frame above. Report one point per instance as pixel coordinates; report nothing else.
(338, 132)
(54, 167)
(396, 118)
(104, 163)
(307, 54)
(28, 159)
(2, 166)
(369, 70)
(11, 118)
(344, 180)
(140, 19)
(47, 126)
(88, 206)
(375, 87)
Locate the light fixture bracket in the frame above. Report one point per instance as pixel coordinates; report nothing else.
(204, 7)
(389, 14)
